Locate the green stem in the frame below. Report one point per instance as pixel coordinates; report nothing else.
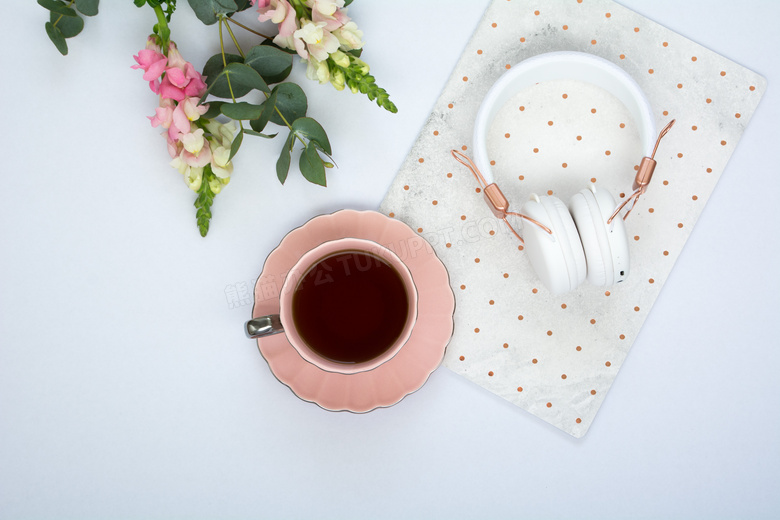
(286, 122)
(60, 16)
(233, 37)
(162, 29)
(229, 19)
(224, 61)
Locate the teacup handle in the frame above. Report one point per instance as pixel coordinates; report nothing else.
(264, 326)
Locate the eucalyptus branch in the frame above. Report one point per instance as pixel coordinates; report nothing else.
(70, 4)
(224, 19)
(224, 61)
(201, 147)
(232, 36)
(239, 24)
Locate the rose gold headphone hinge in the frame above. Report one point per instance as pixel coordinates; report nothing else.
(498, 202)
(495, 198)
(643, 176)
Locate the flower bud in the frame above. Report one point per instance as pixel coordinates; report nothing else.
(215, 185)
(361, 66)
(337, 79)
(340, 59)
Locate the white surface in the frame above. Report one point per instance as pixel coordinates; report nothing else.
(127, 388)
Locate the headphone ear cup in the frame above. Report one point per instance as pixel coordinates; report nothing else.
(605, 245)
(587, 216)
(557, 259)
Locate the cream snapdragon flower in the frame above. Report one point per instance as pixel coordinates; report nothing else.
(319, 42)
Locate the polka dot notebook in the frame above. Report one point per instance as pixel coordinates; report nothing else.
(557, 356)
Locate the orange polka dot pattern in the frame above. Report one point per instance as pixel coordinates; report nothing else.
(557, 356)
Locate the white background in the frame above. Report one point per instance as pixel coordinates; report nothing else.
(127, 387)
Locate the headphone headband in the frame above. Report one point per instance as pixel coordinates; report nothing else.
(562, 66)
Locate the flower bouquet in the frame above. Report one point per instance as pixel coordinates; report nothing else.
(204, 134)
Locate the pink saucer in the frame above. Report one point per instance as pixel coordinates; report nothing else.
(408, 370)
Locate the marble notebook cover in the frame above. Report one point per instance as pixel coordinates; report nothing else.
(557, 356)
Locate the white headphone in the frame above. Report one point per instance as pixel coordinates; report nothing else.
(566, 245)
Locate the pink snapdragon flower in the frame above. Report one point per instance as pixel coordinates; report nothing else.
(279, 12)
(180, 87)
(163, 115)
(180, 80)
(178, 84)
(329, 11)
(152, 62)
(176, 118)
(174, 147)
(186, 111)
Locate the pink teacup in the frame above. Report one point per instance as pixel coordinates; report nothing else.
(346, 306)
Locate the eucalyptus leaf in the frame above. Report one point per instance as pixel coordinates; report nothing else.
(218, 85)
(311, 165)
(87, 7)
(258, 125)
(69, 26)
(269, 108)
(208, 11)
(237, 142)
(243, 4)
(273, 64)
(241, 110)
(244, 75)
(56, 6)
(291, 102)
(259, 134)
(285, 157)
(311, 130)
(214, 109)
(57, 38)
(241, 78)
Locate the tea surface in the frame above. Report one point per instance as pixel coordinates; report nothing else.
(350, 307)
